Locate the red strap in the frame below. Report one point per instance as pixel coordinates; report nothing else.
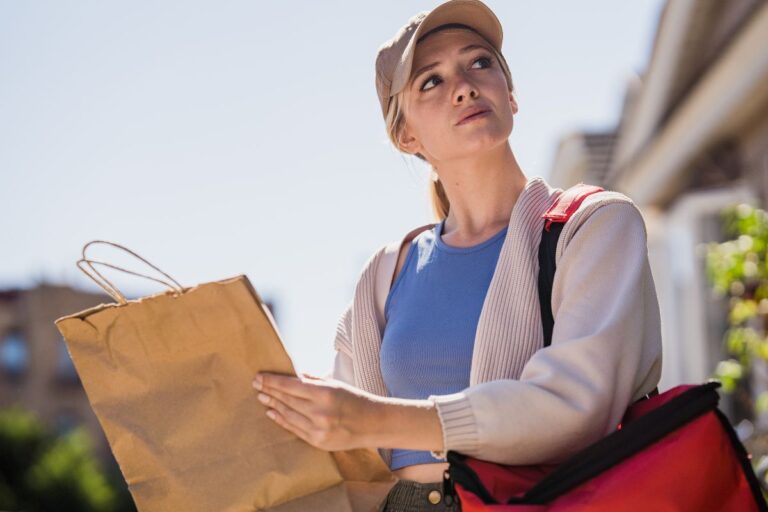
(568, 202)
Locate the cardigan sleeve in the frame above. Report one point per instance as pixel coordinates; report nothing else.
(342, 368)
(605, 352)
(342, 363)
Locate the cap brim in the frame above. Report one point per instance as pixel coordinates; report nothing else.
(468, 12)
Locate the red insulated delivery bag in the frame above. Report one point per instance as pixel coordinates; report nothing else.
(674, 451)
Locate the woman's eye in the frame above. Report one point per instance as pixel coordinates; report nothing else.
(427, 81)
(485, 60)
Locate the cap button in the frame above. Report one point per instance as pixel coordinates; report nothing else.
(434, 497)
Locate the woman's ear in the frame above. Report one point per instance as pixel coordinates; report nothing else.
(407, 141)
(513, 101)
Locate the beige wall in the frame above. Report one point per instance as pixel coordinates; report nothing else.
(47, 387)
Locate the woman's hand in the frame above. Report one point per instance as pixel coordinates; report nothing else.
(326, 413)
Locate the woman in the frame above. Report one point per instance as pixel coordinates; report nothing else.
(456, 362)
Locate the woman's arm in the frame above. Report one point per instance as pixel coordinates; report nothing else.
(334, 415)
(606, 348)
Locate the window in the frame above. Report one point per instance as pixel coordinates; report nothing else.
(65, 369)
(65, 422)
(14, 354)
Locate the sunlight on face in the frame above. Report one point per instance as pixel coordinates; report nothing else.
(454, 70)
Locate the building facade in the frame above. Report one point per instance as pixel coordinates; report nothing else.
(35, 369)
(692, 138)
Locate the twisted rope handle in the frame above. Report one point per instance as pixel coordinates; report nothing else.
(106, 285)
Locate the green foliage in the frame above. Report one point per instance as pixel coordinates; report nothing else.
(729, 373)
(21, 439)
(67, 476)
(41, 472)
(738, 268)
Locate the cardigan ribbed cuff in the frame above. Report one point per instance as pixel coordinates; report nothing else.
(458, 422)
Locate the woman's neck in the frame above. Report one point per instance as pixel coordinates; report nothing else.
(482, 193)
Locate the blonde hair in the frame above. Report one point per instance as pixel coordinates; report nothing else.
(395, 121)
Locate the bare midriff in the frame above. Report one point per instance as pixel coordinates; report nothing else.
(424, 473)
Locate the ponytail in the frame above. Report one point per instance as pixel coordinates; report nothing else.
(438, 198)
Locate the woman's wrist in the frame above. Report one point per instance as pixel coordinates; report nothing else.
(405, 423)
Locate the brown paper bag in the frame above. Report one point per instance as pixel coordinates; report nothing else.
(169, 378)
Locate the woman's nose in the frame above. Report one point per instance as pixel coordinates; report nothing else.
(464, 89)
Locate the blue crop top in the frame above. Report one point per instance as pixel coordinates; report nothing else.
(431, 315)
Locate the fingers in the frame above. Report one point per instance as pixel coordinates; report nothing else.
(267, 397)
(290, 411)
(291, 385)
(305, 408)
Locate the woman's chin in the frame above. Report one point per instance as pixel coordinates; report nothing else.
(476, 144)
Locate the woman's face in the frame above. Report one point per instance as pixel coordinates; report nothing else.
(466, 76)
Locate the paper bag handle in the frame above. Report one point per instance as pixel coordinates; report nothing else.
(106, 285)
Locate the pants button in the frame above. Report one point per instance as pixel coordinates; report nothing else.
(434, 497)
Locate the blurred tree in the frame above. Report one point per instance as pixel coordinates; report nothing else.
(40, 472)
(738, 269)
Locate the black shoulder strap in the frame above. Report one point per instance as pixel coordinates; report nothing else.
(555, 218)
(547, 269)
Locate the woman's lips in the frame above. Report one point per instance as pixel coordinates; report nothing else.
(474, 117)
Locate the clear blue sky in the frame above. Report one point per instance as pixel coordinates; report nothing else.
(244, 137)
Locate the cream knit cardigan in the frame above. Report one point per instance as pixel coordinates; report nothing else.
(527, 404)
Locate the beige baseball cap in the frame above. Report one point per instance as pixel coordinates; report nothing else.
(395, 57)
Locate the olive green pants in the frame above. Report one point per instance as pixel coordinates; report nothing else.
(411, 496)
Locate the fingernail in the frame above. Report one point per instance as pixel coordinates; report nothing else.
(257, 382)
(263, 398)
